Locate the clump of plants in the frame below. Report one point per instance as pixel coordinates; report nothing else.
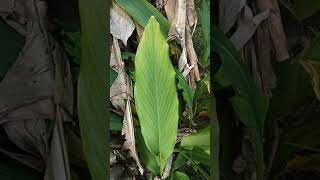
(159, 91)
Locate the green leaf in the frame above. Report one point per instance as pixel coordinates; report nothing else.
(115, 122)
(197, 155)
(305, 9)
(178, 162)
(142, 10)
(128, 56)
(202, 90)
(200, 139)
(187, 92)
(195, 165)
(112, 76)
(155, 94)
(145, 155)
(243, 110)
(92, 86)
(180, 176)
(197, 146)
(233, 73)
(10, 46)
(205, 24)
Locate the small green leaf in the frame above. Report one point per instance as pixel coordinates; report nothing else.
(187, 92)
(155, 94)
(197, 155)
(243, 110)
(179, 162)
(115, 122)
(112, 76)
(200, 139)
(180, 176)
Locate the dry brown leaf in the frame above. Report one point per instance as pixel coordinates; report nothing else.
(192, 15)
(170, 9)
(128, 132)
(120, 95)
(56, 163)
(229, 11)
(193, 58)
(251, 61)
(37, 87)
(6, 6)
(119, 90)
(275, 28)
(264, 47)
(247, 26)
(178, 26)
(121, 25)
(178, 31)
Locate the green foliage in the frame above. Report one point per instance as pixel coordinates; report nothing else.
(250, 103)
(115, 122)
(200, 139)
(197, 146)
(92, 89)
(233, 73)
(187, 92)
(142, 10)
(145, 155)
(155, 94)
(178, 162)
(179, 176)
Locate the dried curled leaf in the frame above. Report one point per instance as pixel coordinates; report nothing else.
(121, 25)
(229, 12)
(120, 95)
(37, 88)
(247, 26)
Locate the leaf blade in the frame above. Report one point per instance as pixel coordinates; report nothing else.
(92, 86)
(155, 93)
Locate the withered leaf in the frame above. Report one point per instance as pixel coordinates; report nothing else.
(121, 25)
(120, 95)
(229, 11)
(37, 90)
(247, 26)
